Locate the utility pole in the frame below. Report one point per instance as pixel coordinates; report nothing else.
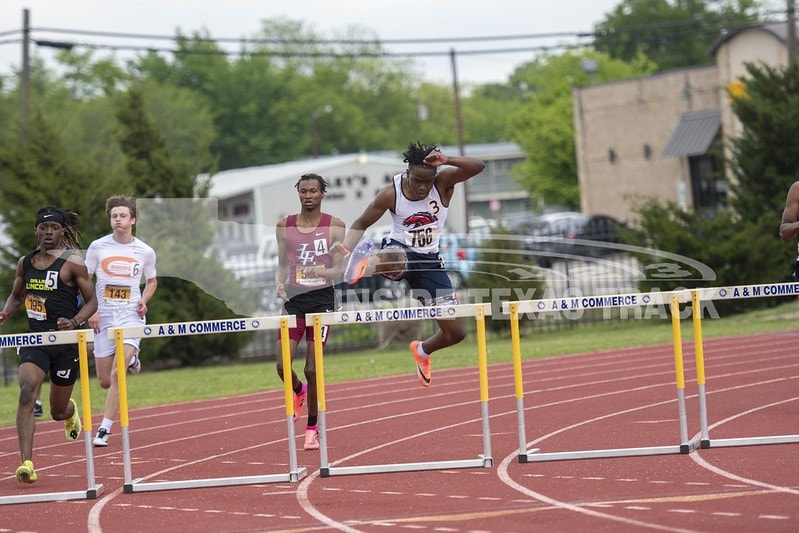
(459, 128)
(457, 96)
(791, 36)
(25, 83)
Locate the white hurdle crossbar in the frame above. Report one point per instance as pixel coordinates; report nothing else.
(393, 315)
(673, 299)
(768, 290)
(205, 327)
(48, 338)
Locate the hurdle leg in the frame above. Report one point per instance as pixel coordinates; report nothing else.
(321, 420)
(482, 364)
(288, 389)
(696, 309)
(519, 382)
(679, 369)
(124, 421)
(93, 489)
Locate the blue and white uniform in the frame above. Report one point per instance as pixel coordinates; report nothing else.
(417, 227)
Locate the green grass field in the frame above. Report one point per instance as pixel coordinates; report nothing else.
(169, 386)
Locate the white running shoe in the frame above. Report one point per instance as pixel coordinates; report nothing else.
(101, 440)
(135, 365)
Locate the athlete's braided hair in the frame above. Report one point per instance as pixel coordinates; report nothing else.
(68, 219)
(416, 153)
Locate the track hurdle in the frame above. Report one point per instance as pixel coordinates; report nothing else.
(673, 299)
(393, 315)
(205, 327)
(48, 338)
(731, 293)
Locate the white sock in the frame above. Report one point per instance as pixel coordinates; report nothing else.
(421, 351)
(106, 424)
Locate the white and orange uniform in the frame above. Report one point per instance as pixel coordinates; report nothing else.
(119, 270)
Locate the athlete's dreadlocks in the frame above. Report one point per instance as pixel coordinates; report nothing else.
(68, 219)
(416, 153)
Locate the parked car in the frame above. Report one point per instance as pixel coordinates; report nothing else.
(458, 258)
(567, 234)
(517, 223)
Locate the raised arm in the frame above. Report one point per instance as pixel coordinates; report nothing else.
(458, 168)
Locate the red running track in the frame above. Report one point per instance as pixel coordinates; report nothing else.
(614, 399)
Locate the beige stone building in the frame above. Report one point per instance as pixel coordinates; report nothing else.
(664, 136)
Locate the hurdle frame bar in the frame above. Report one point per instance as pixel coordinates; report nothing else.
(762, 290)
(478, 311)
(82, 337)
(283, 323)
(673, 299)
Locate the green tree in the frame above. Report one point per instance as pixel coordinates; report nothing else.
(765, 165)
(181, 239)
(742, 244)
(37, 169)
(544, 126)
(671, 33)
(483, 106)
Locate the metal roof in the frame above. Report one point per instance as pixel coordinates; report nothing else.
(778, 29)
(694, 133)
(229, 183)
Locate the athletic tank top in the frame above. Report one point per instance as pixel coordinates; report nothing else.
(306, 250)
(47, 297)
(418, 223)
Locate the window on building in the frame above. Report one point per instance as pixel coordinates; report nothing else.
(709, 190)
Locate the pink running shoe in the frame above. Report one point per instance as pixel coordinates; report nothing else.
(358, 261)
(311, 438)
(422, 364)
(299, 399)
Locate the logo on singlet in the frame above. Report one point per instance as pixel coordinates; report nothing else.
(419, 219)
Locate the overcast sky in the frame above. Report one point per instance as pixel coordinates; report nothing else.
(390, 19)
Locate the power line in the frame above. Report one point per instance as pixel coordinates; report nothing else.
(611, 35)
(429, 40)
(308, 54)
(426, 40)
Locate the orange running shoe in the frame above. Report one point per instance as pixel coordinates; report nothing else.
(422, 364)
(358, 261)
